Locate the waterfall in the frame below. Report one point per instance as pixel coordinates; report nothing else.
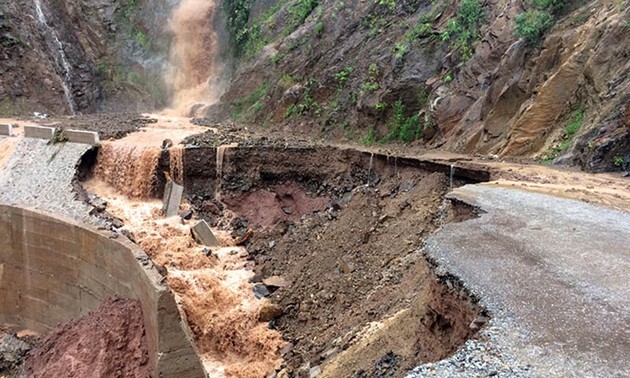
(130, 169)
(450, 181)
(195, 70)
(220, 160)
(60, 55)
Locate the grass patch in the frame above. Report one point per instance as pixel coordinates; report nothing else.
(251, 101)
(568, 132)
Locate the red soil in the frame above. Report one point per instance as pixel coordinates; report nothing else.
(107, 342)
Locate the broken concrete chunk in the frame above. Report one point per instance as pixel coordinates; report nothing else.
(6, 130)
(204, 235)
(172, 198)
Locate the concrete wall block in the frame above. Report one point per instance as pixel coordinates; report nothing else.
(6, 130)
(45, 279)
(84, 137)
(40, 132)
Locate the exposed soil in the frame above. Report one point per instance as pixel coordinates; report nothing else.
(267, 207)
(359, 293)
(108, 342)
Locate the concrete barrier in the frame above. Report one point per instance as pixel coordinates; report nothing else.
(40, 132)
(85, 137)
(6, 130)
(52, 270)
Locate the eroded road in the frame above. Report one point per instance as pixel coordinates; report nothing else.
(553, 272)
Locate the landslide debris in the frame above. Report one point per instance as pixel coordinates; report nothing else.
(107, 342)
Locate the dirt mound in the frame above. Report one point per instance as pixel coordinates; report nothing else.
(267, 207)
(107, 342)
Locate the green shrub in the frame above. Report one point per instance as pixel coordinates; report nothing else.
(301, 10)
(405, 129)
(532, 25)
(464, 29)
(369, 138)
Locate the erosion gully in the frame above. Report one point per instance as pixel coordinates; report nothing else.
(320, 270)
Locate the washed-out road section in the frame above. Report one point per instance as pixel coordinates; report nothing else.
(553, 273)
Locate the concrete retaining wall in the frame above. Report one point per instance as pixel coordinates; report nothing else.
(52, 270)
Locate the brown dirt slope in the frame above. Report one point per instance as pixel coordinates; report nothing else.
(107, 342)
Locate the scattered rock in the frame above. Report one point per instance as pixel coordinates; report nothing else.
(261, 291)
(287, 210)
(269, 312)
(187, 215)
(167, 143)
(118, 223)
(275, 281)
(12, 352)
(315, 372)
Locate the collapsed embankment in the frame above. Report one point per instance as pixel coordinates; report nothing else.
(333, 240)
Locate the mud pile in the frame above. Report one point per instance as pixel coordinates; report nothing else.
(107, 342)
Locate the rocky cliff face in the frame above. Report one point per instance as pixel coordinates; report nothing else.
(444, 74)
(447, 74)
(110, 55)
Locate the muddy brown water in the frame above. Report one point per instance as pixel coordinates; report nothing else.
(341, 228)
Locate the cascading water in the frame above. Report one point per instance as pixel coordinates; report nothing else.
(194, 63)
(220, 160)
(59, 54)
(130, 169)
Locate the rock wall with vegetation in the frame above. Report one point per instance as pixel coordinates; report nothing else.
(542, 79)
(116, 52)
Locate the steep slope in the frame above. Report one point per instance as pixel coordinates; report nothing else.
(446, 74)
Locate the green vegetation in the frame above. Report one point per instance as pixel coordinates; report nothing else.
(380, 106)
(251, 101)
(390, 4)
(308, 103)
(404, 129)
(301, 10)
(569, 131)
(369, 138)
(618, 160)
(370, 86)
(343, 75)
(237, 17)
(463, 30)
(534, 23)
(400, 49)
(141, 38)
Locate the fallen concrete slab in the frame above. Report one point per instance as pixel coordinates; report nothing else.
(85, 137)
(204, 235)
(552, 272)
(40, 132)
(172, 199)
(6, 130)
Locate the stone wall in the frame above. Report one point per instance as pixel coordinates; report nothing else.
(52, 270)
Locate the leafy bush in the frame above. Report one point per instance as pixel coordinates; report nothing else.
(301, 10)
(464, 29)
(532, 25)
(405, 129)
